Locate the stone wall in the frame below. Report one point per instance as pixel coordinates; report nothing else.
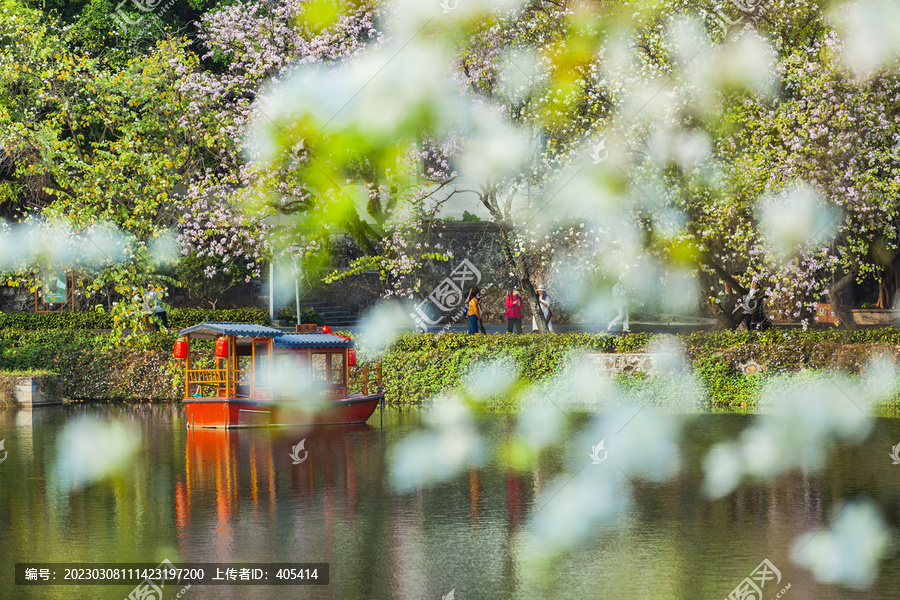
(29, 390)
(630, 363)
(477, 242)
(16, 300)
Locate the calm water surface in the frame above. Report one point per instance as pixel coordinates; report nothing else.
(215, 496)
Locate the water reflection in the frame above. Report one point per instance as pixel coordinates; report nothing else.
(224, 496)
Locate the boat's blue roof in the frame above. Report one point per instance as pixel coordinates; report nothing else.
(280, 338)
(312, 340)
(244, 330)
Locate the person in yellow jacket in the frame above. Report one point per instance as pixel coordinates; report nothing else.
(474, 312)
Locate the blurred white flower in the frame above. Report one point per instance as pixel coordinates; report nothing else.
(803, 420)
(871, 31)
(880, 377)
(573, 507)
(796, 217)
(409, 90)
(57, 244)
(89, 450)
(451, 444)
(492, 378)
(723, 467)
(409, 16)
(641, 441)
(746, 63)
(850, 550)
(541, 424)
(380, 326)
(495, 148)
(165, 248)
(577, 386)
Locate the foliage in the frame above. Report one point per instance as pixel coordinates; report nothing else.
(179, 318)
(853, 181)
(92, 367)
(95, 139)
(288, 314)
(94, 26)
(199, 275)
(418, 367)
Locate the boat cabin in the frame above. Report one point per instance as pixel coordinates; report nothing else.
(255, 362)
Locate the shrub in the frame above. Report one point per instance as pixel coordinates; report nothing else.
(419, 366)
(179, 318)
(288, 314)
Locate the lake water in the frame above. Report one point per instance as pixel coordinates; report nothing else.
(216, 496)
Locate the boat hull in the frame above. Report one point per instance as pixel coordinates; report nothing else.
(239, 412)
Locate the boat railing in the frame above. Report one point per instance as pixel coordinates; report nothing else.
(202, 378)
(365, 379)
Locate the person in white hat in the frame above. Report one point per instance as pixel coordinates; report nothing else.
(544, 299)
(620, 303)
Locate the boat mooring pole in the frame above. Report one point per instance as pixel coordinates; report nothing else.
(272, 290)
(293, 248)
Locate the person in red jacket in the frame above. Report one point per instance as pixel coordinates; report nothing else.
(514, 311)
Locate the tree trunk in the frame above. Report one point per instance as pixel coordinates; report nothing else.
(884, 294)
(845, 316)
(726, 318)
(517, 264)
(520, 269)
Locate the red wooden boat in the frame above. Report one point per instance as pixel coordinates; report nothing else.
(262, 376)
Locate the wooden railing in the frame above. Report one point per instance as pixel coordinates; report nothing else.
(365, 379)
(205, 378)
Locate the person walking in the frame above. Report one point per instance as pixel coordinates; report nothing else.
(474, 312)
(514, 311)
(620, 303)
(153, 306)
(544, 301)
(752, 307)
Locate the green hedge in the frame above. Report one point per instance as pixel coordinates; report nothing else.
(179, 318)
(420, 366)
(92, 367)
(417, 367)
(288, 315)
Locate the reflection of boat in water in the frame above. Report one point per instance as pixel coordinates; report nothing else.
(233, 472)
(264, 376)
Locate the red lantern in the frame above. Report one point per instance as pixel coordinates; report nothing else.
(326, 329)
(222, 348)
(351, 357)
(180, 348)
